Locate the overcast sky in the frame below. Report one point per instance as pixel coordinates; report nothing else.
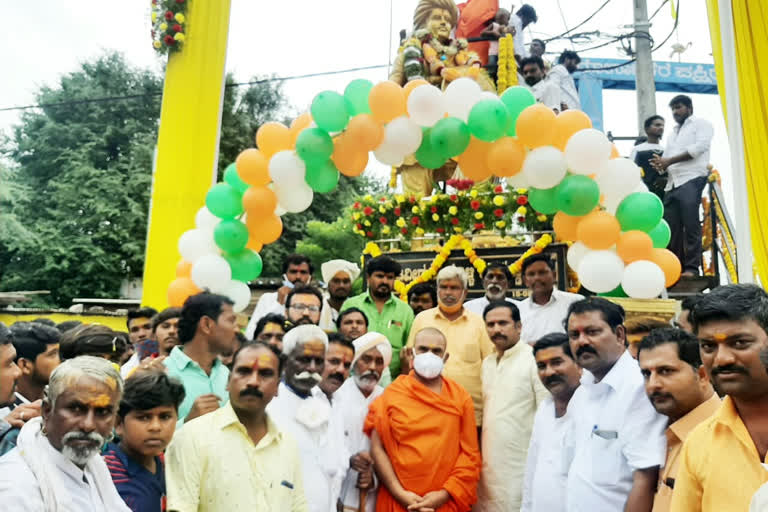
(43, 39)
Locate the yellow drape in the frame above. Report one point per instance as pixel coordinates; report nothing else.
(750, 20)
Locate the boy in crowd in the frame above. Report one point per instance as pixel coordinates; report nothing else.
(146, 421)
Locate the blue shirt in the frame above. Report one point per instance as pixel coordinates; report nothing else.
(196, 382)
(141, 490)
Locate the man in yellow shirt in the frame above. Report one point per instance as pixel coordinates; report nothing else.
(235, 458)
(721, 461)
(678, 387)
(468, 341)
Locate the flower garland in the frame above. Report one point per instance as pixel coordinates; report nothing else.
(726, 241)
(536, 248)
(393, 178)
(168, 18)
(506, 74)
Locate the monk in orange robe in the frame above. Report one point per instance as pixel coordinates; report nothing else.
(423, 437)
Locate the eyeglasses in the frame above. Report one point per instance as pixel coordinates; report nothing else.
(303, 307)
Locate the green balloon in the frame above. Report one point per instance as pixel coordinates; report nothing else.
(488, 120)
(427, 154)
(323, 177)
(231, 177)
(578, 195)
(356, 96)
(516, 99)
(660, 235)
(642, 211)
(543, 200)
(246, 265)
(230, 235)
(314, 146)
(449, 137)
(616, 292)
(224, 201)
(329, 111)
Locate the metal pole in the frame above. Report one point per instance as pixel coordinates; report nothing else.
(644, 82)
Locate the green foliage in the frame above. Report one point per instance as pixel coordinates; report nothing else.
(327, 241)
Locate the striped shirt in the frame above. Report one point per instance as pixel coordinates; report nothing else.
(141, 490)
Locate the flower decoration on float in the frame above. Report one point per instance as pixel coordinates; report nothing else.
(168, 19)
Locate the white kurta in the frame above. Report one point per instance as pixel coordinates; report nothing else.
(545, 475)
(512, 392)
(320, 437)
(478, 305)
(539, 320)
(353, 408)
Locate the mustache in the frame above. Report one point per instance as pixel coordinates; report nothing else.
(553, 379)
(731, 368)
(658, 394)
(252, 392)
(309, 376)
(79, 435)
(337, 376)
(498, 337)
(586, 349)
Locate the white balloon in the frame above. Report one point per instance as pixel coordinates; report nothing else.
(286, 168)
(643, 280)
(402, 136)
(587, 150)
(460, 96)
(601, 271)
(295, 198)
(388, 156)
(204, 219)
(426, 105)
(196, 243)
(642, 187)
(280, 211)
(617, 179)
(488, 95)
(545, 167)
(239, 293)
(211, 272)
(575, 254)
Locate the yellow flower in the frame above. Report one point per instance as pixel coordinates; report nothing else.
(498, 200)
(522, 210)
(433, 199)
(457, 229)
(400, 222)
(367, 222)
(180, 17)
(522, 191)
(435, 217)
(157, 44)
(415, 209)
(453, 210)
(478, 215)
(385, 230)
(501, 224)
(473, 193)
(382, 209)
(419, 231)
(154, 17)
(400, 198)
(355, 216)
(541, 218)
(179, 37)
(163, 27)
(368, 197)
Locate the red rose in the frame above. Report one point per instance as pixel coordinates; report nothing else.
(440, 230)
(455, 221)
(433, 209)
(498, 189)
(369, 234)
(474, 204)
(383, 220)
(367, 210)
(415, 221)
(357, 205)
(498, 212)
(479, 225)
(153, 34)
(521, 219)
(404, 231)
(454, 198)
(397, 211)
(522, 200)
(359, 226)
(177, 28)
(169, 40)
(168, 15)
(412, 199)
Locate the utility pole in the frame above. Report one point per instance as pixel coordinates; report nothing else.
(644, 82)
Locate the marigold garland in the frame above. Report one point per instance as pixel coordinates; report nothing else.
(168, 25)
(506, 73)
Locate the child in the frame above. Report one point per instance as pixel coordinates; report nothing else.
(496, 29)
(146, 421)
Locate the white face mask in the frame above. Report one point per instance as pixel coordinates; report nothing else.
(428, 365)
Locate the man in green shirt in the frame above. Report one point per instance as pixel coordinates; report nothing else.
(386, 313)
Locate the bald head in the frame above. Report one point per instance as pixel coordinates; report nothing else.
(430, 339)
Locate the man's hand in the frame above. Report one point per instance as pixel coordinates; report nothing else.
(431, 501)
(660, 163)
(203, 405)
(406, 360)
(282, 293)
(152, 364)
(563, 107)
(23, 413)
(365, 480)
(407, 498)
(361, 462)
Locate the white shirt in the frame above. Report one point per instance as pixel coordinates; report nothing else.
(477, 306)
(560, 76)
(759, 501)
(512, 392)
(545, 478)
(518, 39)
(694, 137)
(646, 146)
(539, 320)
(615, 431)
(546, 93)
(129, 365)
(267, 304)
(353, 408)
(319, 434)
(328, 316)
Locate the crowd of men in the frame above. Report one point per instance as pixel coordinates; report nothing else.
(555, 403)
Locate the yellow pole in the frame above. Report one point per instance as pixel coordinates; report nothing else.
(188, 141)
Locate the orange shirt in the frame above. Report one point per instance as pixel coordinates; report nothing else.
(430, 439)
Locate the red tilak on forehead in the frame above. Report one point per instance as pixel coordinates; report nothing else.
(263, 361)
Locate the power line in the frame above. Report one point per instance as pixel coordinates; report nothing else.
(658, 9)
(159, 93)
(580, 24)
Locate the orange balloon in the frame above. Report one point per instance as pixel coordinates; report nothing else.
(505, 158)
(253, 167)
(474, 160)
(364, 132)
(349, 158)
(183, 269)
(298, 124)
(634, 245)
(410, 86)
(598, 230)
(615, 152)
(264, 229)
(567, 123)
(273, 137)
(254, 245)
(180, 290)
(259, 201)
(669, 263)
(536, 126)
(387, 101)
(565, 226)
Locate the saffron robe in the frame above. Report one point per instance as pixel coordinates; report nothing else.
(430, 439)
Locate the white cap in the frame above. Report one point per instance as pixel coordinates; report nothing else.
(331, 268)
(372, 340)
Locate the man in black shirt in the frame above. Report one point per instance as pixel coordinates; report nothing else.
(643, 152)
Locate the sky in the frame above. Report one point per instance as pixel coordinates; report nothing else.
(40, 40)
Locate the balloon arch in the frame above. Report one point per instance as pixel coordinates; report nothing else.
(573, 171)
